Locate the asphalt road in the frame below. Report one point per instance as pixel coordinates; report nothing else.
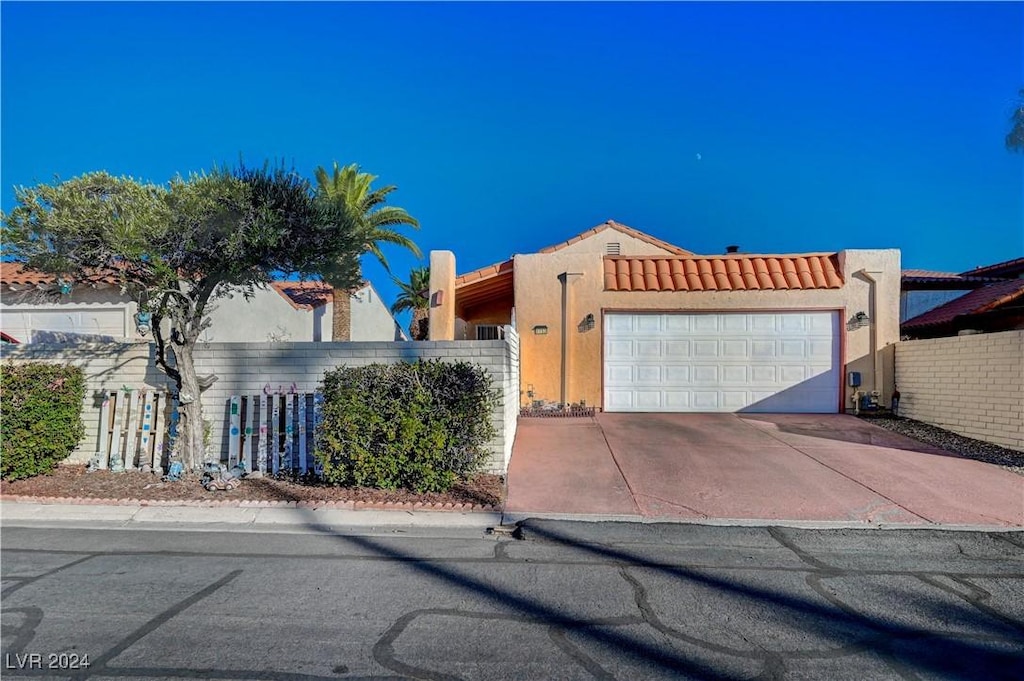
(566, 601)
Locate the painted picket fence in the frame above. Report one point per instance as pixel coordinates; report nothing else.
(273, 433)
(270, 433)
(131, 429)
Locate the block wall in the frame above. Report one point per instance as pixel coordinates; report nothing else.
(972, 385)
(245, 368)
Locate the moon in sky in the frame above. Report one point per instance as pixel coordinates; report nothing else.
(698, 157)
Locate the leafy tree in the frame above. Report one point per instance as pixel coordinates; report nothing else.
(1015, 138)
(413, 297)
(177, 248)
(347, 190)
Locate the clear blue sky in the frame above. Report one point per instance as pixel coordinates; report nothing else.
(508, 127)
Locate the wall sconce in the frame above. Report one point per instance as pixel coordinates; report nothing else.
(587, 324)
(858, 320)
(437, 300)
(143, 323)
(540, 330)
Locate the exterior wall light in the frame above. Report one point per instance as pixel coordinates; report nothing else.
(540, 330)
(858, 320)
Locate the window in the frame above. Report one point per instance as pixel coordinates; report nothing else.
(488, 332)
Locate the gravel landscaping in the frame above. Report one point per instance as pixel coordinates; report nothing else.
(1010, 459)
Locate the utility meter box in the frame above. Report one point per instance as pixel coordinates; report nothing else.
(853, 379)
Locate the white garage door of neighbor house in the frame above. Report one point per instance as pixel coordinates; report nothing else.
(722, 362)
(40, 325)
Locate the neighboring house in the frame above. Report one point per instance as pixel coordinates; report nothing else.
(292, 311)
(985, 299)
(618, 319)
(33, 309)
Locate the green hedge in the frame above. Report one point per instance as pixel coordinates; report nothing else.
(419, 426)
(42, 417)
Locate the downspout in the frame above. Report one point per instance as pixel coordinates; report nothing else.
(563, 278)
(877, 378)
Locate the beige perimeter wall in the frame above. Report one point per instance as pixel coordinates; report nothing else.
(972, 385)
(245, 368)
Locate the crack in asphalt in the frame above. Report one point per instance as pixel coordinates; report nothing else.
(99, 664)
(877, 637)
(25, 581)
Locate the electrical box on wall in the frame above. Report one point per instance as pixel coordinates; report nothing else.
(853, 379)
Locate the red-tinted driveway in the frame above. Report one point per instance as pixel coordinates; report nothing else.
(795, 467)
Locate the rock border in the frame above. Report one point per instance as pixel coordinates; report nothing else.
(243, 503)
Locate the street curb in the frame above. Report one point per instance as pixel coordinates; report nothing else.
(138, 516)
(150, 516)
(515, 517)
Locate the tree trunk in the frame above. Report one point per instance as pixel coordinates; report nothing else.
(190, 445)
(419, 326)
(341, 322)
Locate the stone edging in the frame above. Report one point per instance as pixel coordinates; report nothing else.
(244, 503)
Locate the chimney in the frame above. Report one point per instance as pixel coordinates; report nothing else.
(732, 249)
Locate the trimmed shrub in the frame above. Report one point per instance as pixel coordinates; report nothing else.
(420, 426)
(42, 417)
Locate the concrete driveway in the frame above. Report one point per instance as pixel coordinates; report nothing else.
(765, 467)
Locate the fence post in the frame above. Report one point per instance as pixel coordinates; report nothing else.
(234, 430)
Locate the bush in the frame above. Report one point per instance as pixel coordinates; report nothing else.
(419, 426)
(42, 417)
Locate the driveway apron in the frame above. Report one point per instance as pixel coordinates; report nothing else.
(563, 465)
(765, 467)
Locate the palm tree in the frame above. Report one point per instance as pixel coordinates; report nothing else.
(413, 297)
(349, 190)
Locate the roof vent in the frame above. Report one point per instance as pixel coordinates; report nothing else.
(612, 248)
(732, 249)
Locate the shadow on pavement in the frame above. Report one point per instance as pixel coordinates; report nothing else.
(905, 650)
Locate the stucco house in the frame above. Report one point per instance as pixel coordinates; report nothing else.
(33, 309)
(618, 319)
(984, 299)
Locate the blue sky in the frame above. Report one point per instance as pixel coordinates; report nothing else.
(508, 127)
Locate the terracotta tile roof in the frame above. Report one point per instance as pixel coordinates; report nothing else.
(1006, 270)
(618, 227)
(308, 295)
(930, 274)
(484, 273)
(506, 266)
(15, 274)
(932, 277)
(980, 300)
(722, 273)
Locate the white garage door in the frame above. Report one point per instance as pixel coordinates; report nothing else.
(722, 362)
(41, 325)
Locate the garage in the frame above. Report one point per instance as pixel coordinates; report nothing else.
(771, 361)
(39, 324)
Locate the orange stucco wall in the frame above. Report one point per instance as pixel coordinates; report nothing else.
(538, 292)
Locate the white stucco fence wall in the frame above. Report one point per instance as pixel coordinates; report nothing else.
(245, 368)
(972, 385)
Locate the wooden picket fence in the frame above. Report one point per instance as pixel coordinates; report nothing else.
(270, 433)
(274, 433)
(132, 428)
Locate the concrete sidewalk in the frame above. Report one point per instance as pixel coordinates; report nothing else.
(795, 469)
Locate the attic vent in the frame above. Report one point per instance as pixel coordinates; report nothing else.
(612, 248)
